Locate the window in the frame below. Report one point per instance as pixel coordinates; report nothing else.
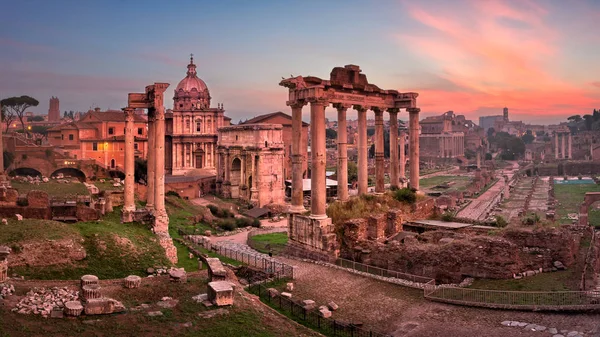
(140, 131)
(198, 126)
(70, 137)
(94, 146)
(112, 163)
(187, 124)
(135, 146)
(62, 137)
(111, 131)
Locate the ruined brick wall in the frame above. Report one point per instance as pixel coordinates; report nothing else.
(85, 213)
(585, 167)
(552, 243)
(376, 225)
(38, 199)
(26, 211)
(423, 209)
(117, 198)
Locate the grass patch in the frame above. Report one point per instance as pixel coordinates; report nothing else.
(557, 281)
(34, 229)
(274, 242)
(52, 187)
(183, 258)
(570, 197)
(107, 186)
(460, 182)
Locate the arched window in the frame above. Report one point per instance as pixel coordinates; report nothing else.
(187, 124)
(198, 126)
(112, 163)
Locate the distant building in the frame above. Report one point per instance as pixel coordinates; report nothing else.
(443, 136)
(488, 122)
(54, 110)
(286, 121)
(99, 135)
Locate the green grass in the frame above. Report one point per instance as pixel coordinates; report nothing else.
(107, 186)
(181, 213)
(52, 187)
(557, 281)
(183, 258)
(460, 182)
(570, 198)
(274, 242)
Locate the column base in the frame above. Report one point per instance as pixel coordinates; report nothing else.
(161, 221)
(296, 209)
(150, 208)
(127, 215)
(319, 217)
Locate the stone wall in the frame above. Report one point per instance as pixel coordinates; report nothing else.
(38, 199)
(26, 211)
(570, 168)
(85, 213)
(423, 209)
(312, 237)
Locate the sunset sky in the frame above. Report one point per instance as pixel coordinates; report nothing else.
(539, 58)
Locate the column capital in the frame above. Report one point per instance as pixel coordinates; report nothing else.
(360, 108)
(296, 104)
(378, 109)
(393, 110)
(129, 114)
(378, 112)
(319, 101)
(342, 106)
(413, 110)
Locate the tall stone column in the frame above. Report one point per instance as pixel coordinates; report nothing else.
(318, 155)
(570, 146)
(297, 159)
(342, 139)
(379, 165)
(393, 147)
(1, 144)
(413, 120)
(150, 161)
(562, 147)
(129, 194)
(402, 155)
(363, 173)
(555, 145)
(161, 219)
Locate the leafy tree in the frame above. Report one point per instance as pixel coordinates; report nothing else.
(18, 105)
(7, 116)
(540, 133)
(488, 156)
(470, 154)
(36, 119)
(42, 130)
(528, 137)
(141, 170)
(490, 132)
(352, 172)
(575, 118)
(330, 134)
(370, 132)
(589, 121)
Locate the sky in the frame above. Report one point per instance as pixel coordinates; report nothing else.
(538, 58)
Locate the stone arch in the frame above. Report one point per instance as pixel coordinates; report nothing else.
(589, 199)
(70, 172)
(25, 171)
(116, 174)
(235, 177)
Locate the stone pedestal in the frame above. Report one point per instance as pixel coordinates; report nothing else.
(90, 291)
(73, 308)
(216, 271)
(220, 293)
(379, 165)
(88, 280)
(414, 147)
(132, 281)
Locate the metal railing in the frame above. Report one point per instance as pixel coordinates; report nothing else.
(524, 300)
(310, 318)
(365, 268)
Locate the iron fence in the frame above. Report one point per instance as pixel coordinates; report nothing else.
(311, 318)
(365, 268)
(526, 300)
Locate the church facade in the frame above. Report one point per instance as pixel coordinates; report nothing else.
(191, 127)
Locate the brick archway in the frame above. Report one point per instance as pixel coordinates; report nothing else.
(25, 171)
(590, 198)
(70, 171)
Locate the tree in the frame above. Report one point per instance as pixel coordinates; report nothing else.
(589, 121)
(330, 134)
(575, 118)
(7, 116)
(36, 119)
(490, 132)
(528, 137)
(352, 172)
(141, 170)
(18, 105)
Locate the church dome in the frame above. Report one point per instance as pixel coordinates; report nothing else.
(191, 92)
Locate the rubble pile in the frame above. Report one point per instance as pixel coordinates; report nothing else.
(41, 301)
(6, 290)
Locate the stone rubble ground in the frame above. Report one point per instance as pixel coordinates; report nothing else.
(41, 301)
(6, 290)
(535, 327)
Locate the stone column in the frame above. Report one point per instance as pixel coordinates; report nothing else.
(342, 139)
(363, 173)
(379, 153)
(1, 144)
(570, 146)
(562, 147)
(150, 161)
(318, 190)
(393, 147)
(161, 219)
(555, 145)
(297, 160)
(129, 193)
(414, 146)
(402, 155)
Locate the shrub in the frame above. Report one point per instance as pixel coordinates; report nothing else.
(172, 194)
(243, 222)
(448, 216)
(227, 224)
(406, 195)
(256, 223)
(500, 221)
(531, 220)
(22, 202)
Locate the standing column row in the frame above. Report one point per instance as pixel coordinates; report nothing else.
(393, 148)
(318, 192)
(129, 193)
(297, 155)
(413, 120)
(379, 154)
(363, 173)
(342, 140)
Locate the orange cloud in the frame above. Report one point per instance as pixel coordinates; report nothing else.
(503, 54)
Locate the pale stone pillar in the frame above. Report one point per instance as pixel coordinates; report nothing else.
(161, 219)
(555, 145)
(363, 173)
(570, 146)
(414, 146)
(402, 155)
(379, 153)
(297, 159)
(342, 138)
(393, 147)
(1, 144)
(318, 188)
(150, 161)
(562, 147)
(129, 193)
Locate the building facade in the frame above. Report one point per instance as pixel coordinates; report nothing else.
(100, 135)
(285, 121)
(251, 161)
(191, 127)
(54, 110)
(443, 136)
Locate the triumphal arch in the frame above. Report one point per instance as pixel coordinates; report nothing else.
(346, 88)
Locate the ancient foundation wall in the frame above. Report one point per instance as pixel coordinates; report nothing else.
(312, 238)
(26, 211)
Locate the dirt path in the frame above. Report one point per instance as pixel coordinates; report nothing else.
(403, 312)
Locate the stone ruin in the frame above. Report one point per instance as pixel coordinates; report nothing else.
(4, 252)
